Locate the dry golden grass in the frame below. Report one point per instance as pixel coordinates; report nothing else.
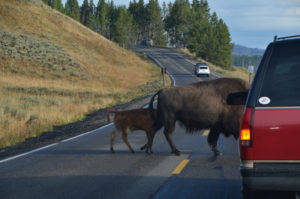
(53, 70)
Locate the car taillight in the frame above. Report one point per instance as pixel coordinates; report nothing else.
(246, 131)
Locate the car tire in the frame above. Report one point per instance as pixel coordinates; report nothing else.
(297, 195)
(247, 192)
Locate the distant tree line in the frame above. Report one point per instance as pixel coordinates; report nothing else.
(193, 26)
(245, 61)
(179, 24)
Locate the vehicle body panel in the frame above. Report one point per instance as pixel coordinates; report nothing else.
(276, 134)
(272, 159)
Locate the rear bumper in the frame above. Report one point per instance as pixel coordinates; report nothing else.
(202, 73)
(283, 177)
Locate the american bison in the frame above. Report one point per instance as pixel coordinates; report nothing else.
(135, 119)
(216, 105)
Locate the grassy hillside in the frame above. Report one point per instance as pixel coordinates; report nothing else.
(54, 70)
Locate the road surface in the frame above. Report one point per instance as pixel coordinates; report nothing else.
(83, 166)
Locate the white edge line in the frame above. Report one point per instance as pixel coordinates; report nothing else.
(93, 131)
(51, 145)
(190, 61)
(172, 78)
(27, 153)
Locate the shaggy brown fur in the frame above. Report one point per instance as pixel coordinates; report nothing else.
(217, 105)
(135, 119)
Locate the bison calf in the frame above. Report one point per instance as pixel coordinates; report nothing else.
(216, 105)
(135, 119)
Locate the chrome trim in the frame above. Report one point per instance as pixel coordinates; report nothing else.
(277, 107)
(247, 164)
(276, 161)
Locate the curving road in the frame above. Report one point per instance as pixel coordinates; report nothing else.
(83, 167)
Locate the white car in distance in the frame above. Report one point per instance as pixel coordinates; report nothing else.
(202, 69)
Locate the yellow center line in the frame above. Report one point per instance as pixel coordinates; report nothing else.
(179, 168)
(205, 132)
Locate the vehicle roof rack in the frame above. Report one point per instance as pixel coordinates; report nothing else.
(283, 38)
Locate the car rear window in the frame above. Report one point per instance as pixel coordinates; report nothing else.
(203, 67)
(281, 83)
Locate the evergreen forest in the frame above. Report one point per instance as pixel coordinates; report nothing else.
(181, 23)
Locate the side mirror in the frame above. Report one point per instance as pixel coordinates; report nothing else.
(238, 98)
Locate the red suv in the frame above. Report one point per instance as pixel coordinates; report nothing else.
(270, 133)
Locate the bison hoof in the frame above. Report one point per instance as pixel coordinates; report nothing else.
(176, 152)
(148, 151)
(143, 147)
(217, 153)
(112, 150)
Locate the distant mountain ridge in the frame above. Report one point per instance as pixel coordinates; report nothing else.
(243, 50)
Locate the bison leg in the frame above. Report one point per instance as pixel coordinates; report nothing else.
(124, 137)
(212, 140)
(148, 137)
(152, 133)
(112, 138)
(155, 127)
(169, 139)
(169, 128)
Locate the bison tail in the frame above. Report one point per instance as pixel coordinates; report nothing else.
(108, 113)
(151, 105)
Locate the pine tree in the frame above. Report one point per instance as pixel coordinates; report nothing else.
(195, 6)
(203, 38)
(72, 9)
(209, 37)
(214, 42)
(123, 32)
(204, 9)
(102, 18)
(178, 22)
(154, 22)
(133, 10)
(113, 14)
(200, 37)
(165, 10)
(91, 21)
(57, 4)
(48, 2)
(141, 19)
(196, 24)
(84, 12)
(225, 46)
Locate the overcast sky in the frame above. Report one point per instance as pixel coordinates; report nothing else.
(252, 23)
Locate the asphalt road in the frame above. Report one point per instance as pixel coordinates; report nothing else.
(83, 167)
